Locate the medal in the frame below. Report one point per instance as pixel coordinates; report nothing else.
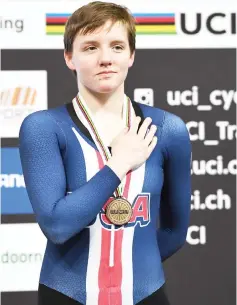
(119, 210)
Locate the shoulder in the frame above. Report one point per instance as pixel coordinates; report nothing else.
(163, 118)
(44, 125)
(174, 125)
(175, 136)
(36, 121)
(43, 119)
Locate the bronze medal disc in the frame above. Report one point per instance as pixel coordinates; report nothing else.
(119, 211)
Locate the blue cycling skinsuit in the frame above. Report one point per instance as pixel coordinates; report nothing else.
(68, 185)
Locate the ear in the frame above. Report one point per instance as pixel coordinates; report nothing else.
(131, 60)
(68, 60)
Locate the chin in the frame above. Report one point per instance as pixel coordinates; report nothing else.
(106, 89)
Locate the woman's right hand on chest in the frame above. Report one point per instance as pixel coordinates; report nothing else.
(131, 148)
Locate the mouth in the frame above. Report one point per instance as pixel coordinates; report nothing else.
(106, 73)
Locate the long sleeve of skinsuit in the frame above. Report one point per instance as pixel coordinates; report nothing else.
(59, 215)
(176, 192)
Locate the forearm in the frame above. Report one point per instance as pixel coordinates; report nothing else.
(169, 242)
(72, 213)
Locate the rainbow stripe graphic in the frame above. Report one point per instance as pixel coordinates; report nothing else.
(150, 24)
(146, 24)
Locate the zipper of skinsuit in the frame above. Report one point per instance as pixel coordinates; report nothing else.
(111, 254)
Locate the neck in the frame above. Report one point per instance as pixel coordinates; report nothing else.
(103, 103)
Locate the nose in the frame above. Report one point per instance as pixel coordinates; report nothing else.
(105, 58)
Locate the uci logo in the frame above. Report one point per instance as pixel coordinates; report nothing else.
(217, 23)
(141, 212)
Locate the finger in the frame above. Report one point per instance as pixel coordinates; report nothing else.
(152, 146)
(134, 125)
(150, 134)
(143, 129)
(120, 134)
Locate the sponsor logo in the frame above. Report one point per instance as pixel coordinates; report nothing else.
(144, 96)
(12, 180)
(197, 132)
(214, 167)
(197, 235)
(14, 196)
(21, 254)
(213, 202)
(16, 25)
(190, 97)
(24, 92)
(216, 23)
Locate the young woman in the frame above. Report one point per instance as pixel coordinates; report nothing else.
(112, 201)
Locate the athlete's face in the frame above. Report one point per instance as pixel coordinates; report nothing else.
(104, 50)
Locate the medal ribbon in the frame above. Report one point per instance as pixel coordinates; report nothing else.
(86, 116)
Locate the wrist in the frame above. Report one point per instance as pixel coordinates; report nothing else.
(119, 167)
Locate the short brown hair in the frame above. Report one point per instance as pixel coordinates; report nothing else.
(94, 15)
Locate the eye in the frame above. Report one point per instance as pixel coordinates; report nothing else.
(91, 48)
(118, 48)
